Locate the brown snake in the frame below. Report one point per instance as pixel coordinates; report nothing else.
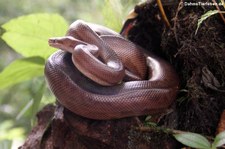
(103, 56)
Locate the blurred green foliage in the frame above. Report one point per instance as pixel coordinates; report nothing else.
(195, 140)
(23, 89)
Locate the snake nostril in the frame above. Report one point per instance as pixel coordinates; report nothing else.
(51, 40)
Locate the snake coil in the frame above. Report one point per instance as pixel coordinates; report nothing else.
(81, 84)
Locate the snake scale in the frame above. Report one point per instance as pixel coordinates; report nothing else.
(100, 75)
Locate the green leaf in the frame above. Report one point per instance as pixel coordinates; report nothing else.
(223, 2)
(25, 109)
(193, 140)
(112, 13)
(219, 140)
(204, 17)
(32, 106)
(7, 124)
(28, 35)
(21, 70)
(13, 133)
(7, 131)
(37, 97)
(148, 118)
(5, 144)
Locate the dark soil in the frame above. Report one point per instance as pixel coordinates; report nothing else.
(199, 60)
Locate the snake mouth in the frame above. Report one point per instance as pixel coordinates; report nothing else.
(67, 43)
(54, 42)
(62, 43)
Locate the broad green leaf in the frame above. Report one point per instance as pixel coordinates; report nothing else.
(112, 12)
(21, 70)
(219, 140)
(204, 17)
(193, 140)
(28, 35)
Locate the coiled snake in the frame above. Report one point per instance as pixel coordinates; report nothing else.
(107, 76)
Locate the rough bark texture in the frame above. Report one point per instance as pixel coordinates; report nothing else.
(200, 63)
(68, 131)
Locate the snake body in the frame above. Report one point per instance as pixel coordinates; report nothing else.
(151, 83)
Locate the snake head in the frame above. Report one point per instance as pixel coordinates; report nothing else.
(66, 43)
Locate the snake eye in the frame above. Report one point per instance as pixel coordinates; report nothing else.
(98, 33)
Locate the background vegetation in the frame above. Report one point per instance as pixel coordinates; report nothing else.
(19, 102)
